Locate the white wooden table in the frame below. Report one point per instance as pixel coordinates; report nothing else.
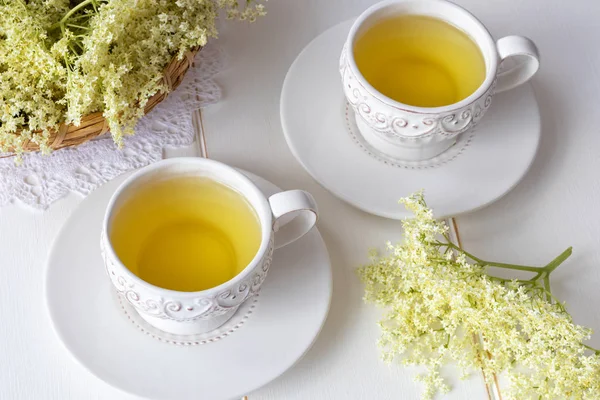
(555, 206)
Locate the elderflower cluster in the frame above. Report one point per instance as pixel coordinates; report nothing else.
(443, 309)
(58, 65)
(32, 80)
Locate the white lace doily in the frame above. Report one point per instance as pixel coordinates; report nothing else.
(41, 180)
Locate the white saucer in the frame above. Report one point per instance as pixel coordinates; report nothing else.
(478, 170)
(264, 340)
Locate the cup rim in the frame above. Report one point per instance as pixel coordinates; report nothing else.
(266, 231)
(473, 97)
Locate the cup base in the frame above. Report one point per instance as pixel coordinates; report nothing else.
(236, 322)
(458, 148)
(188, 327)
(406, 151)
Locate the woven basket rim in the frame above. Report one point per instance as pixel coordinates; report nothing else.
(94, 124)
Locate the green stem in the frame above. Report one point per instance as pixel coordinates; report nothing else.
(72, 49)
(537, 276)
(494, 264)
(543, 272)
(82, 16)
(78, 26)
(71, 12)
(596, 351)
(80, 46)
(75, 9)
(559, 260)
(509, 266)
(540, 271)
(547, 287)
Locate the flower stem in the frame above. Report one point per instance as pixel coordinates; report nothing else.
(541, 272)
(494, 264)
(547, 287)
(596, 351)
(72, 11)
(551, 266)
(509, 266)
(75, 9)
(559, 260)
(85, 28)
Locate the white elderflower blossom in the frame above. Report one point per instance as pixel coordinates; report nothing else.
(58, 64)
(442, 308)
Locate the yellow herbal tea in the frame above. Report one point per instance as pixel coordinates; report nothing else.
(420, 61)
(186, 233)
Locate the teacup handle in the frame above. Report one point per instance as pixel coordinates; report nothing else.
(294, 214)
(527, 64)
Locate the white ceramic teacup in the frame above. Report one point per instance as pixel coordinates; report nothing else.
(186, 313)
(414, 133)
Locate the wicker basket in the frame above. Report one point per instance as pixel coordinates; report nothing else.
(94, 124)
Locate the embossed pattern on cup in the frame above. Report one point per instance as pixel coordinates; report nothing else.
(402, 127)
(186, 313)
(208, 305)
